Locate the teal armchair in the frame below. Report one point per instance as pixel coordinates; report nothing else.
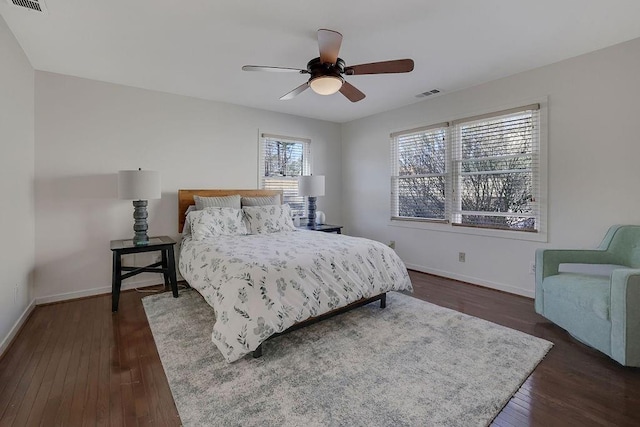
(595, 294)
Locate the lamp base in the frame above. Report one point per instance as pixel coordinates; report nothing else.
(140, 225)
(312, 212)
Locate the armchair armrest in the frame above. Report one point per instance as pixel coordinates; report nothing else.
(625, 316)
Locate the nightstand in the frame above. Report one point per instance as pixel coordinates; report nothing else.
(167, 266)
(327, 228)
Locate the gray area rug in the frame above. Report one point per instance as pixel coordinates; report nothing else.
(410, 364)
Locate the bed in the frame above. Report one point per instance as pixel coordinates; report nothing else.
(268, 283)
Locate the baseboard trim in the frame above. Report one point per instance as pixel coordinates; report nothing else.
(6, 342)
(92, 292)
(473, 280)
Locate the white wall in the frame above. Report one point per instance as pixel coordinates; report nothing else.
(593, 166)
(16, 184)
(87, 130)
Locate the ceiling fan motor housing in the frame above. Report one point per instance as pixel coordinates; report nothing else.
(318, 69)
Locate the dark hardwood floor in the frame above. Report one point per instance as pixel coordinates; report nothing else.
(74, 363)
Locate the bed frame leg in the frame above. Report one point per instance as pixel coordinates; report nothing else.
(383, 301)
(257, 352)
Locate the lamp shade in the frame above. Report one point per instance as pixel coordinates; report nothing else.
(311, 185)
(139, 185)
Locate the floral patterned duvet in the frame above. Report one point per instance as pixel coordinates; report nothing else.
(261, 284)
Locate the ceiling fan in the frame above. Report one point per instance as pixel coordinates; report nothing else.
(326, 71)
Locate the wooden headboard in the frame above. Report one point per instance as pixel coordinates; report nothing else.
(185, 198)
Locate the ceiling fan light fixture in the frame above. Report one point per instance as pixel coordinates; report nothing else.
(326, 71)
(326, 85)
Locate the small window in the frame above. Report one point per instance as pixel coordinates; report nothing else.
(282, 161)
(419, 178)
(496, 171)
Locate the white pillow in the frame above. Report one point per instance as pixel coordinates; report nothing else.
(186, 228)
(211, 222)
(268, 218)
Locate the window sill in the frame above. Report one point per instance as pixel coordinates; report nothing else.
(423, 220)
(474, 231)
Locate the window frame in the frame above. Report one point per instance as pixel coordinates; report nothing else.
(504, 116)
(540, 235)
(306, 169)
(396, 176)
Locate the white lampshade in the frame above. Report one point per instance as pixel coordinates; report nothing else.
(326, 85)
(139, 185)
(311, 185)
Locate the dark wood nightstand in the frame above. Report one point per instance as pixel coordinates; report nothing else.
(167, 266)
(327, 228)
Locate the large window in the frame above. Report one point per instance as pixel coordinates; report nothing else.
(480, 171)
(282, 161)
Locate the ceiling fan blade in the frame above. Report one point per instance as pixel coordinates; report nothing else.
(351, 92)
(274, 69)
(383, 67)
(329, 43)
(297, 91)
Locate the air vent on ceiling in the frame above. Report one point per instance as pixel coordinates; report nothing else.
(427, 93)
(35, 5)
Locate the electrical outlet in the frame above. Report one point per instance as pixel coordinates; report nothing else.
(392, 244)
(532, 268)
(462, 256)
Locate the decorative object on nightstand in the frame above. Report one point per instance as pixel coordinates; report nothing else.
(139, 186)
(311, 186)
(167, 265)
(320, 218)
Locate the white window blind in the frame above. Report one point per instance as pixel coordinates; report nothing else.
(282, 160)
(496, 170)
(481, 171)
(419, 173)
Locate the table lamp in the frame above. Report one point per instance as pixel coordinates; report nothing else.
(311, 186)
(139, 186)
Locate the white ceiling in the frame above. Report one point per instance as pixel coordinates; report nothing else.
(197, 48)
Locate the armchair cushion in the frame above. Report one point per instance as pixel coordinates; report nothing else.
(587, 292)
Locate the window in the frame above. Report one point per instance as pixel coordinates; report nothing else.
(419, 159)
(496, 171)
(480, 171)
(282, 161)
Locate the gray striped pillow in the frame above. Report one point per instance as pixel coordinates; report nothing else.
(217, 202)
(261, 201)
